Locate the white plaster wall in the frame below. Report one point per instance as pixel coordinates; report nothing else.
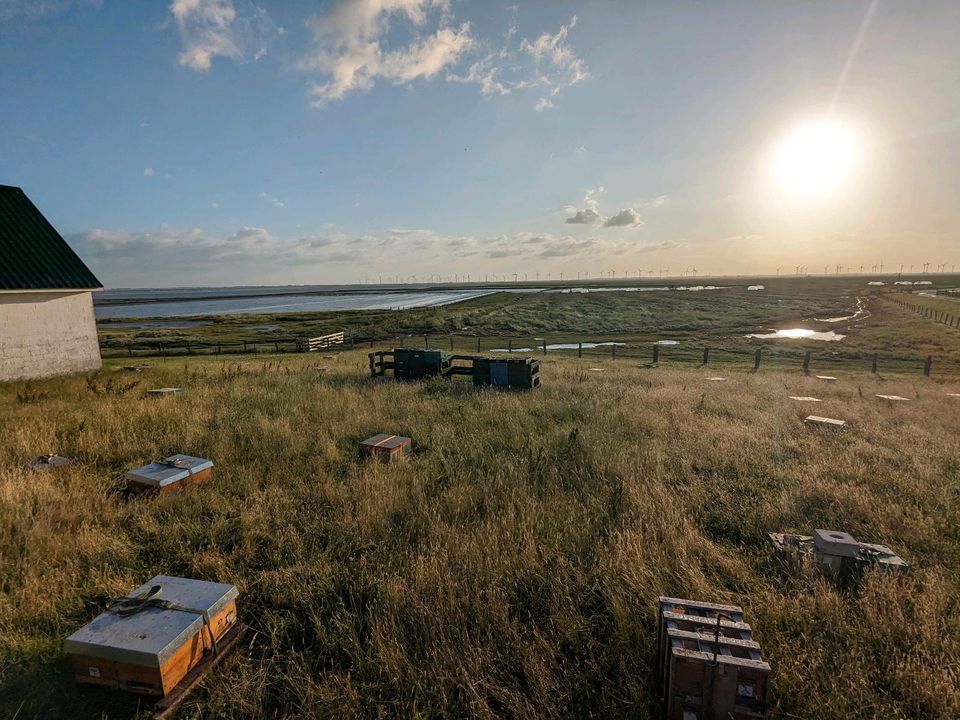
(47, 333)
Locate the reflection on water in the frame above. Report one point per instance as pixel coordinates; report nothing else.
(800, 333)
(558, 346)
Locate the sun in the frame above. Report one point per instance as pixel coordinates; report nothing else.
(817, 159)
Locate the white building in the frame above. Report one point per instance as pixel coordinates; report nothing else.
(46, 307)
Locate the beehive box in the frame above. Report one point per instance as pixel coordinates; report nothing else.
(506, 372)
(417, 363)
(171, 473)
(825, 423)
(710, 666)
(839, 553)
(386, 448)
(47, 463)
(150, 649)
(166, 392)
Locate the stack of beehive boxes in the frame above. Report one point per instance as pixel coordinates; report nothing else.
(710, 666)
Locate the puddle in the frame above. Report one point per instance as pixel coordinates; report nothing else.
(667, 342)
(828, 378)
(756, 287)
(803, 398)
(560, 346)
(716, 379)
(893, 397)
(799, 334)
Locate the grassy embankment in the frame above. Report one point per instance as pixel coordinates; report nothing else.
(511, 566)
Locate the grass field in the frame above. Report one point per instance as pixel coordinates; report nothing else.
(511, 566)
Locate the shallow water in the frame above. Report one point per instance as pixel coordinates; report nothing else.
(799, 334)
(286, 304)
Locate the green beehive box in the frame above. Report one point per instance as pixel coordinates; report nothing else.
(416, 363)
(506, 372)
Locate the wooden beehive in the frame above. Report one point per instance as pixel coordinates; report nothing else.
(166, 392)
(710, 666)
(47, 463)
(149, 641)
(838, 553)
(825, 422)
(169, 474)
(386, 448)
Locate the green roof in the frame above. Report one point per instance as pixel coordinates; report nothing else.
(33, 255)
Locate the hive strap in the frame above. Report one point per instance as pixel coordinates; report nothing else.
(385, 440)
(132, 604)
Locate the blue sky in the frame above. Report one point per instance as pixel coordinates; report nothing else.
(209, 142)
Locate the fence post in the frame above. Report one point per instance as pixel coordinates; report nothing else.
(276, 345)
(927, 364)
(580, 349)
(218, 348)
(873, 365)
(451, 342)
(509, 345)
(613, 351)
(371, 342)
(756, 360)
(544, 346)
(706, 355)
(426, 341)
(478, 343)
(189, 349)
(806, 362)
(129, 349)
(656, 354)
(161, 349)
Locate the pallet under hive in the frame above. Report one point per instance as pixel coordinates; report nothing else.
(385, 447)
(172, 473)
(149, 641)
(710, 666)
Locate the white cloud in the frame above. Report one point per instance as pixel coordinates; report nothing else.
(216, 28)
(149, 172)
(659, 201)
(588, 216)
(350, 45)
(276, 202)
(214, 205)
(625, 218)
(547, 63)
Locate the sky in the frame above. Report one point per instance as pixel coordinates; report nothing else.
(242, 142)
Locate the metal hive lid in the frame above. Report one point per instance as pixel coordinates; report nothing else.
(150, 637)
(169, 470)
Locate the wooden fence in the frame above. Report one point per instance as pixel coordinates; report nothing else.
(324, 342)
(941, 316)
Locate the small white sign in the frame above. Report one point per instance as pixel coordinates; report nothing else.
(94, 671)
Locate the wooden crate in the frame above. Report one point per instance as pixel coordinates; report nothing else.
(386, 448)
(163, 633)
(170, 474)
(710, 667)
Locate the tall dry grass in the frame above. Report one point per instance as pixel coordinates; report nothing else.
(510, 568)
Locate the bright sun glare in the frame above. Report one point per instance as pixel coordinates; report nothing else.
(817, 159)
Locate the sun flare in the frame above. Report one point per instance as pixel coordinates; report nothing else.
(817, 159)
